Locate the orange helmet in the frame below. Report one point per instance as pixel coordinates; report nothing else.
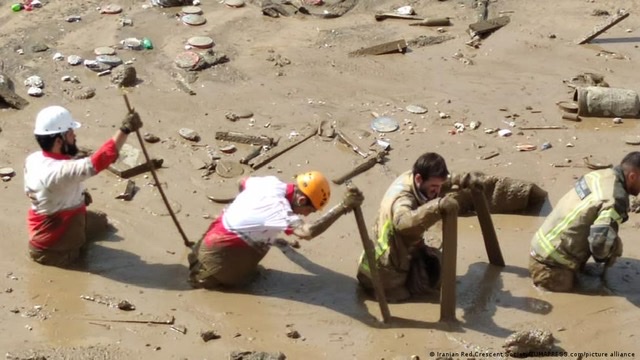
(316, 187)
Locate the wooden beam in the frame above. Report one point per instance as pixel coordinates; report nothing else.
(244, 138)
(598, 30)
(491, 243)
(449, 258)
(386, 48)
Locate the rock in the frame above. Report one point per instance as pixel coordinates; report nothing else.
(124, 77)
(209, 335)
(229, 149)
(599, 12)
(7, 171)
(96, 66)
(8, 95)
(83, 93)
(131, 43)
(74, 60)
(104, 50)
(35, 91)
(256, 355)
(416, 109)
(189, 134)
(150, 138)
(58, 56)
(126, 305)
(34, 81)
(293, 334)
(244, 114)
(521, 343)
(39, 47)
(110, 60)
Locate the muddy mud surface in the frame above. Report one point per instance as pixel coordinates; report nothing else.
(292, 73)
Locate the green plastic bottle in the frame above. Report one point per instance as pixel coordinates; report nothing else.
(16, 7)
(147, 44)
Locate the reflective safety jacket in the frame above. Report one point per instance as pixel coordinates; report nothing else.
(585, 222)
(403, 217)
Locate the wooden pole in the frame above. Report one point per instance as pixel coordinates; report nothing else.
(604, 27)
(491, 243)
(449, 257)
(185, 240)
(373, 267)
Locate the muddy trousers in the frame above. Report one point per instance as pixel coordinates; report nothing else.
(222, 266)
(552, 278)
(423, 277)
(68, 249)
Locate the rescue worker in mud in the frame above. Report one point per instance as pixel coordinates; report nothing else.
(229, 252)
(584, 224)
(59, 224)
(411, 205)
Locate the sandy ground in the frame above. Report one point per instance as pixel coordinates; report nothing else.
(313, 290)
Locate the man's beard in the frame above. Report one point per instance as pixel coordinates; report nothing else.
(69, 149)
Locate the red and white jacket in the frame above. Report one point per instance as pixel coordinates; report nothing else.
(53, 182)
(258, 215)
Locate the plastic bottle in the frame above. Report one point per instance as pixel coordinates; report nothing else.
(16, 7)
(147, 44)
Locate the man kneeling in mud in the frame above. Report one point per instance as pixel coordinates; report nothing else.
(412, 204)
(229, 252)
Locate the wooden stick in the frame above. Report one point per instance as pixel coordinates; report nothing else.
(154, 322)
(491, 243)
(244, 138)
(373, 267)
(449, 258)
(266, 157)
(604, 27)
(345, 139)
(543, 127)
(185, 240)
(360, 168)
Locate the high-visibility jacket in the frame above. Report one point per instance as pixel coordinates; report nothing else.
(585, 222)
(399, 229)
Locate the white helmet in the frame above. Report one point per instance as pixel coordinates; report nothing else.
(54, 120)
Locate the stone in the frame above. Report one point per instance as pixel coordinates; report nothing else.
(189, 134)
(110, 60)
(124, 77)
(74, 60)
(527, 341)
(150, 138)
(39, 47)
(34, 91)
(83, 93)
(34, 81)
(256, 355)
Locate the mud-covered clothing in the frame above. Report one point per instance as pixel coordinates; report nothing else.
(403, 218)
(236, 241)
(584, 223)
(66, 251)
(552, 278)
(54, 184)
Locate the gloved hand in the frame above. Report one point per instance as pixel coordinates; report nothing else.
(131, 123)
(470, 180)
(88, 200)
(352, 198)
(448, 204)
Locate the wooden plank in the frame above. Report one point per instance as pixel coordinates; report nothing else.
(598, 30)
(449, 258)
(483, 27)
(383, 16)
(268, 156)
(360, 168)
(369, 252)
(244, 138)
(491, 243)
(386, 48)
(10, 97)
(136, 170)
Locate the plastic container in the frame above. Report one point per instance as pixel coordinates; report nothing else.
(147, 44)
(607, 102)
(16, 7)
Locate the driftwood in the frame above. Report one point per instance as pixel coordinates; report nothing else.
(268, 156)
(244, 138)
(386, 48)
(604, 27)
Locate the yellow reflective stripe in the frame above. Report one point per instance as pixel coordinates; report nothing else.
(550, 250)
(564, 224)
(382, 245)
(596, 184)
(605, 216)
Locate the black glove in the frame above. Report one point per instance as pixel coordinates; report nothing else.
(131, 123)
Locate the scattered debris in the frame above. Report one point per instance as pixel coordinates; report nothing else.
(126, 171)
(228, 149)
(503, 132)
(545, 146)
(200, 42)
(150, 138)
(268, 156)
(111, 9)
(484, 28)
(35, 91)
(384, 124)
(607, 102)
(256, 355)
(350, 143)
(128, 191)
(393, 15)
(460, 56)
(490, 155)
(521, 343)
(595, 166)
(83, 93)
(433, 22)
(189, 134)
(599, 12)
(385, 48)
(209, 335)
(635, 140)
(39, 47)
(252, 154)
(525, 147)
(598, 30)
(571, 116)
(193, 19)
(428, 40)
(110, 302)
(543, 127)
(293, 334)
(585, 80)
(179, 328)
(229, 169)
(58, 56)
(124, 77)
(7, 92)
(617, 120)
(155, 321)
(416, 109)
(34, 81)
(73, 18)
(244, 138)
(74, 60)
